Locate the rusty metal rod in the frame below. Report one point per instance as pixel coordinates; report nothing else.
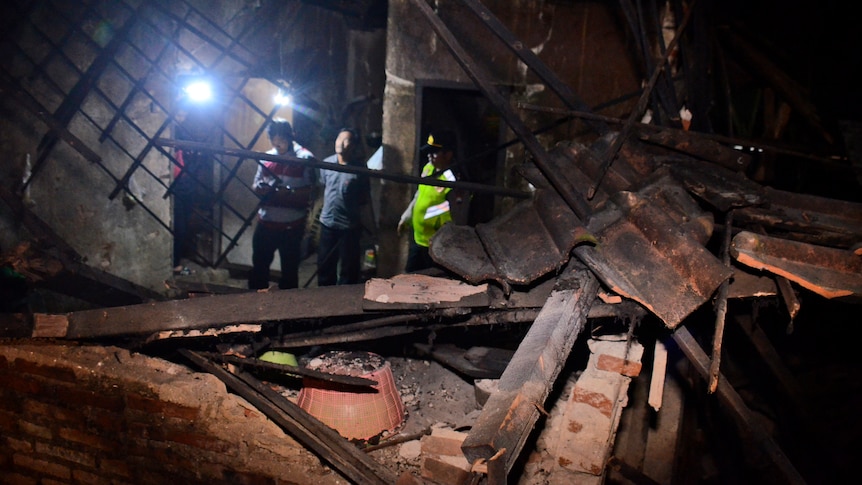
(721, 306)
(315, 163)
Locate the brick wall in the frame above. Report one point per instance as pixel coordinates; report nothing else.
(90, 414)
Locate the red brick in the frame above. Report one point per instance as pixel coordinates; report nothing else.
(63, 453)
(449, 445)
(88, 398)
(407, 478)
(618, 365)
(140, 430)
(81, 476)
(42, 467)
(53, 412)
(593, 399)
(19, 384)
(19, 445)
(197, 440)
(237, 478)
(8, 423)
(10, 402)
(105, 421)
(87, 439)
(56, 373)
(442, 472)
(36, 430)
(157, 407)
(51, 481)
(17, 479)
(115, 467)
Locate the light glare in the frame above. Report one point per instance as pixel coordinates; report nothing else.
(283, 99)
(199, 91)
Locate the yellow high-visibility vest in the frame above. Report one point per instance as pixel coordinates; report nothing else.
(431, 210)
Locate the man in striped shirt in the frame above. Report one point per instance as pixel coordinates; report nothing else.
(286, 191)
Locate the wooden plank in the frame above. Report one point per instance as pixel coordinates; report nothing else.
(509, 415)
(664, 430)
(319, 438)
(288, 369)
(217, 310)
(659, 372)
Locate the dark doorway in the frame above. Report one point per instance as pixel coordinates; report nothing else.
(464, 110)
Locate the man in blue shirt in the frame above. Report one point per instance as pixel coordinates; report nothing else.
(344, 195)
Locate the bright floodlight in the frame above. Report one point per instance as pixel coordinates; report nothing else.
(283, 99)
(199, 91)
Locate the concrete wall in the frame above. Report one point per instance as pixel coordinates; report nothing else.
(583, 42)
(87, 414)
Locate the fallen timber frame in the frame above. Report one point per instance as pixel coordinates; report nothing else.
(217, 311)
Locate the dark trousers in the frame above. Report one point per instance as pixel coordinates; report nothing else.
(265, 242)
(338, 245)
(418, 257)
(183, 207)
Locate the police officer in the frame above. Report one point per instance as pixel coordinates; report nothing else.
(429, 209)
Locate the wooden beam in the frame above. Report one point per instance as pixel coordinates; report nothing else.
(214, 311)
(509, 415)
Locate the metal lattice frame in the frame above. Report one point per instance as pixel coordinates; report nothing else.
(149, 34)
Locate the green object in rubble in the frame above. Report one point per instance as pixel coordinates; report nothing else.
(276, 357)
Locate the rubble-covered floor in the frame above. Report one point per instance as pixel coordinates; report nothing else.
(820, 353)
